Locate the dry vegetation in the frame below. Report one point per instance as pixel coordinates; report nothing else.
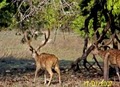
(17, 66)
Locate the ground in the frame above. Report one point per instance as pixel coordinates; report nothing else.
(17, 67)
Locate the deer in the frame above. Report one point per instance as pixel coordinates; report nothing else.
(110, 57)
(44, 61)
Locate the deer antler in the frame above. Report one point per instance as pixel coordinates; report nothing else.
(46, 40)
(107, 43)
(28, 40)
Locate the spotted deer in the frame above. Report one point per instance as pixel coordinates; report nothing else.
(110, 57)
(44, 60)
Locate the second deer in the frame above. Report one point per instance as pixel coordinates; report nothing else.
(44, 60)
(110, 57)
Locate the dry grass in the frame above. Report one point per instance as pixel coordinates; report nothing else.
(67, 48)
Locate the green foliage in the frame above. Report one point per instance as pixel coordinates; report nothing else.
(50, 16)
(90, 27)
(114, 6)
(77, 24)
(3, 4)
(90, 4)
(6, 13)
(98, 12)
(60, 14)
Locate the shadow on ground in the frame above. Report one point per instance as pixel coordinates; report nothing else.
(13, 66)
(20, 73)
(10, 66)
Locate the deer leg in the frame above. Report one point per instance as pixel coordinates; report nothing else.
(58, 72)
(45, 79)
(51, 75)
(117, 72)
(106, 67)
(37, 69)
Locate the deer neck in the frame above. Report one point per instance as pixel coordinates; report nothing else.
(35, 55)
(101, 53)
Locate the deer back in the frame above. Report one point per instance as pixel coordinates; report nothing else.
(114, 57)
(46, 60)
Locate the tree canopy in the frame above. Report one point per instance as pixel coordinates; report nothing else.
(81, 16)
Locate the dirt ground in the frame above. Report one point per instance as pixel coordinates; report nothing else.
(23, 76)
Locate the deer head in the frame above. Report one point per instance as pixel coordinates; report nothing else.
(31, 48)
(97, 48)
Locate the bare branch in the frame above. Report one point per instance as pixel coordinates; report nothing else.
(103, 34)
(117, 38)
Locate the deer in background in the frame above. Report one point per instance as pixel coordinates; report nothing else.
(110, 57)
(44, 60)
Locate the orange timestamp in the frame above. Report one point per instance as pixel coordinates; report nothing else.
(96, 83)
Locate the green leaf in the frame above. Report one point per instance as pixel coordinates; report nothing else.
(3, 4)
